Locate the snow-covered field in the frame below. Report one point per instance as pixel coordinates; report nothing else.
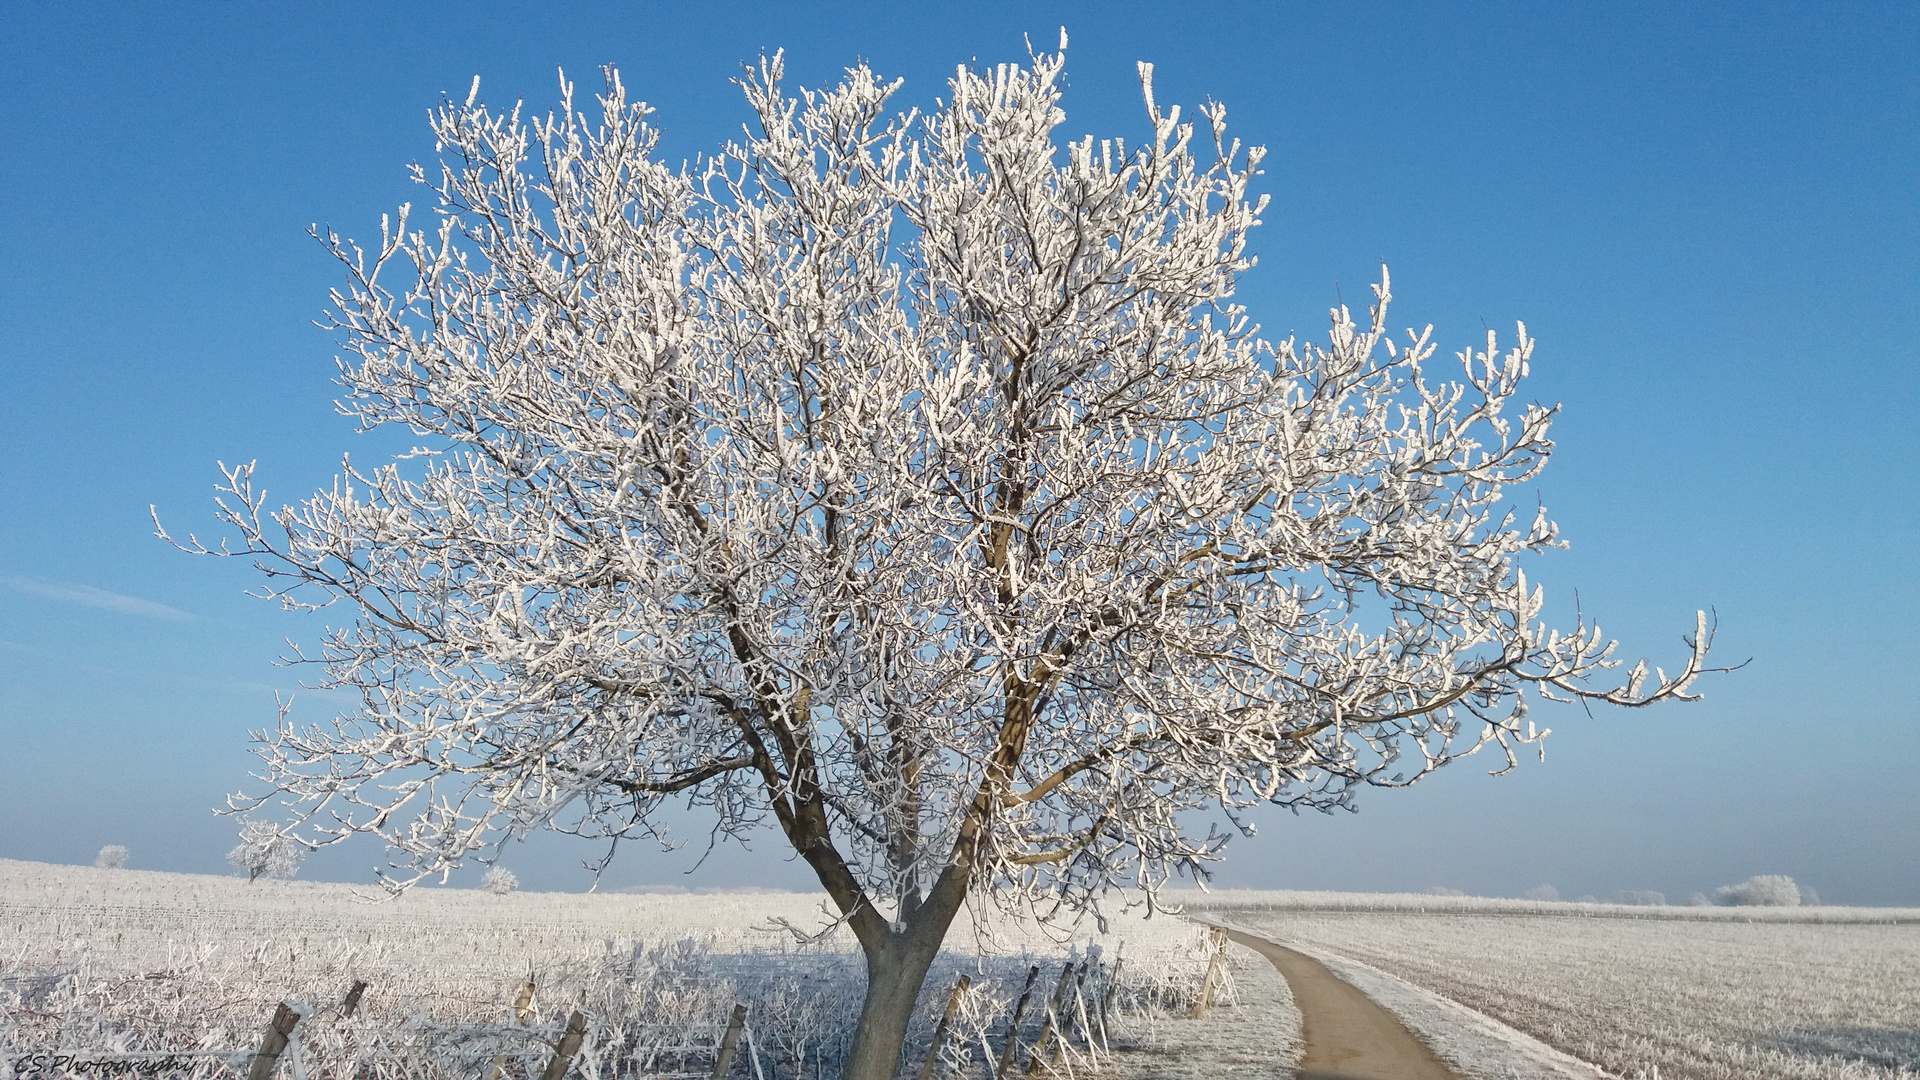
(99, 961)
(117, 961)
(1282, 900)
(1673, 993)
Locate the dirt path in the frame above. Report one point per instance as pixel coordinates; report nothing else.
(1347, 1036)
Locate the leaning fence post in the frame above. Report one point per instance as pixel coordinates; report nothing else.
(569, 1045)
(1013, 1025)
(274, 1044)
(1106, 998)
(1053, 1013)
(1219, 937)
(522, 1016)
(728, 1044)
(523, 1004)
(946, 1018)
(348, 1006)
(1078, 1019)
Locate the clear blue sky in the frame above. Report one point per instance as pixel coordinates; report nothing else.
(1709, 216)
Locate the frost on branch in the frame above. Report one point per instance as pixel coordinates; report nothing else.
(912, 481)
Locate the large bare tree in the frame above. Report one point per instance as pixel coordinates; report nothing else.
(910, 479)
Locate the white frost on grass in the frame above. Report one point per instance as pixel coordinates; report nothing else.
(1429, 903)
(1475, 1045)
(1256, 1036)
(131, 962)
(1677, 999)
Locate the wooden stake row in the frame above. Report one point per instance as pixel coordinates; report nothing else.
(286, 1019)
(1054, 1031)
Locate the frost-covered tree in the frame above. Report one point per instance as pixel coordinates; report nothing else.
(911, 480)
(1764, 890)
(1543, 892)
(266, 848)
(499, 881)
(1639, 897)
(111, 857)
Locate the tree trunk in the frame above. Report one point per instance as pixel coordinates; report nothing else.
(896, 971)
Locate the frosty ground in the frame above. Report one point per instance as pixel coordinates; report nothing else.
(1675, 993)
(129, 962)
(106, 960)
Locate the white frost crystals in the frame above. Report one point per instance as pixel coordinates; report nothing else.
(266, 848)
(1764, 890)
(912, 480)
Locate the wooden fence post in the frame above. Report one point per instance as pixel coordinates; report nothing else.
(569, 1045)
(1013, 1026)
(1200, 1005)
(729, 1043)
(1106, 998)
(522, 1016)
(1052, 1020)
(940, 1032)
(1080, 1012)
(274, 1044)
(352, 1003)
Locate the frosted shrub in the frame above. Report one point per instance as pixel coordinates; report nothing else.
(111, 857)
(499, 881)
(265, 849)
(1765, 890)
(1639, 897)
(1442, 890)
(1809, 898)
(1698, 899)
(1543, 892)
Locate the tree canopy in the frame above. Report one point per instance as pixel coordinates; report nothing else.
(911, 480)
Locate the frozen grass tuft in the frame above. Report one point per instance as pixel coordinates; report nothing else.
(128, 962)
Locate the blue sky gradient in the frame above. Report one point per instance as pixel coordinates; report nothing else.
(1708, 215)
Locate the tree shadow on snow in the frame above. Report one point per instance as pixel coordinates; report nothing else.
(1890, 1048)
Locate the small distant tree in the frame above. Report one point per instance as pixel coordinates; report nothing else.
(1543, 892)
(1443, 890)
(1698, 899)
(499, 881)
(1639, 897)
(911, 481)
(1765, 890)
(111, 857)
(1809, 898)
(266, 848)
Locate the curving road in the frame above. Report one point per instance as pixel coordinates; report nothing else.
(1346, 1036)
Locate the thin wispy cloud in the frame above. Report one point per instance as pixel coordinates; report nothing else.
(89, 596)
